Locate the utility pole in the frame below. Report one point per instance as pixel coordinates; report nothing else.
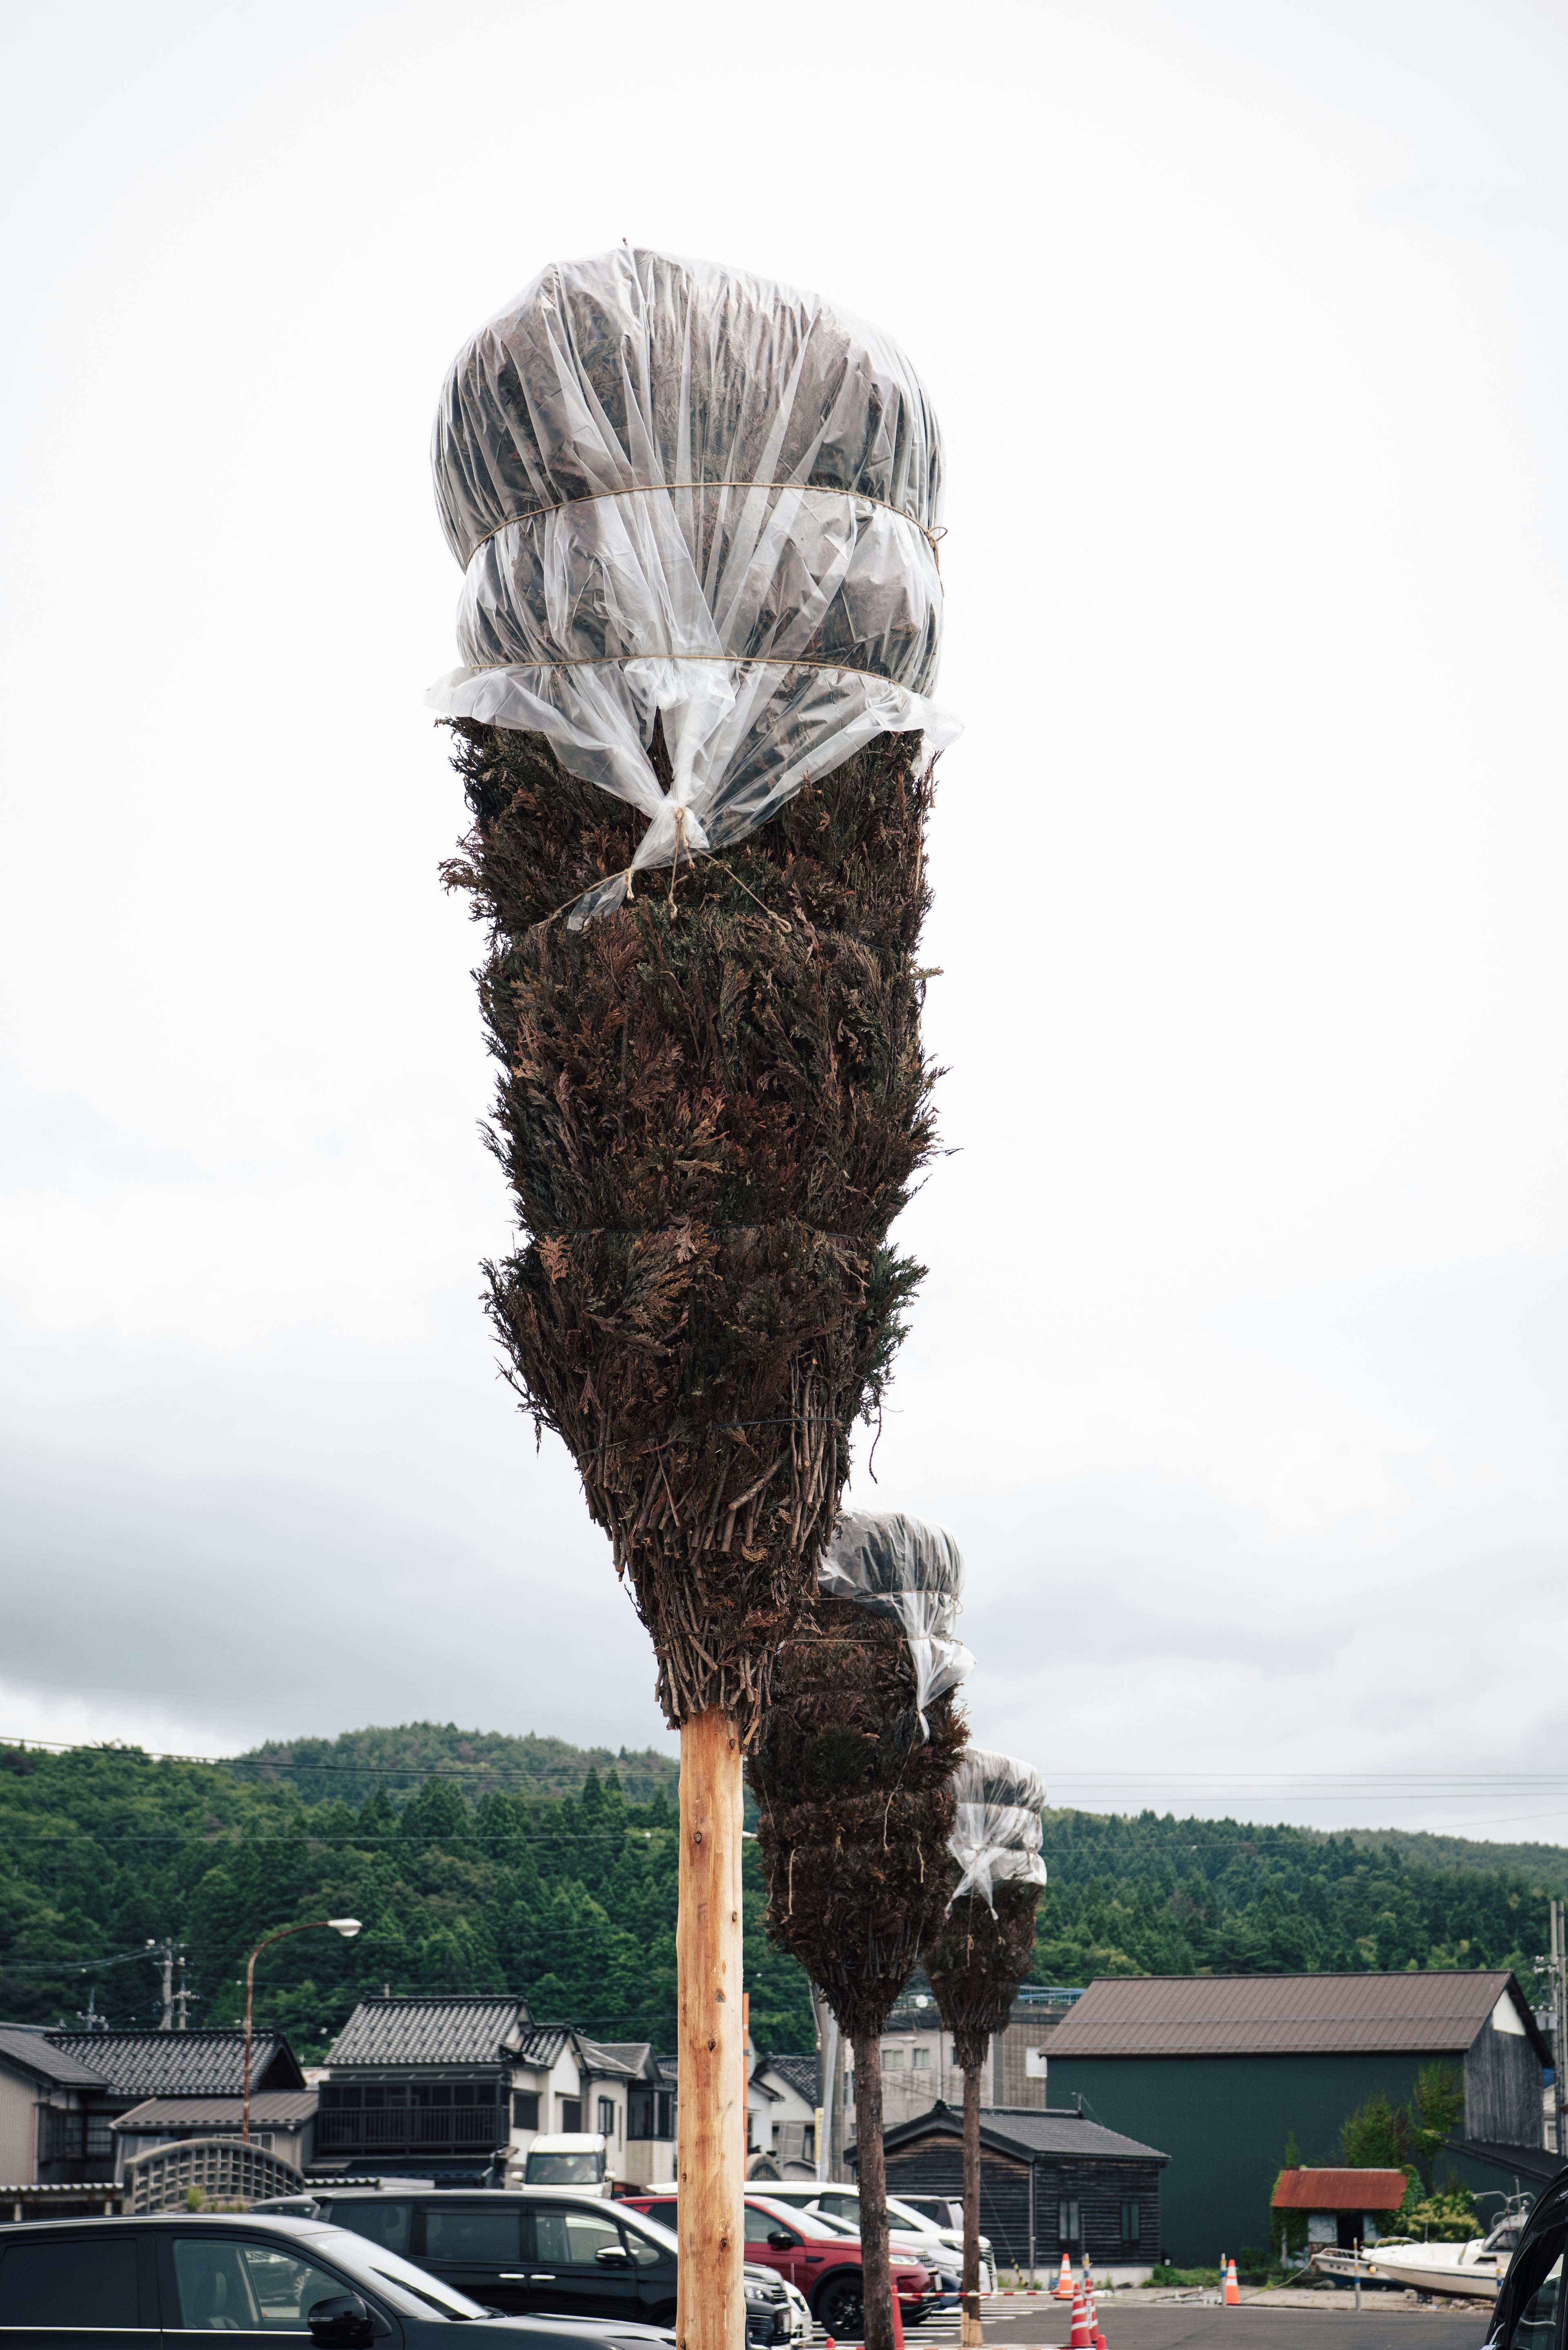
(183, 1997)
(1554, 1967)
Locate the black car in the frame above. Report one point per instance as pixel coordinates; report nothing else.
(547, 2254)
(1529, 2301)
(96, 2285)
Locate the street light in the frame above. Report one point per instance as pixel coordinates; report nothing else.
(347, 1927)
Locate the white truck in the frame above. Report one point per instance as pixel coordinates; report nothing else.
(576, 2161)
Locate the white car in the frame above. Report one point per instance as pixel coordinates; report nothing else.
(911, 2226)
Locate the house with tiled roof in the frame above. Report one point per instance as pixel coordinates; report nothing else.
(61, 2093)
(458, 2087)
(781, 2098)
(1223, 2070)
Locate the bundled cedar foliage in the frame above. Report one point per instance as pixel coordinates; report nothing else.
(984, 1947)
(712, 1105)
(856, 1802)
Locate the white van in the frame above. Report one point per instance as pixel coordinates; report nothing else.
(576, 2161)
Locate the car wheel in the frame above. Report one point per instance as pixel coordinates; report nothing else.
(840, 2306)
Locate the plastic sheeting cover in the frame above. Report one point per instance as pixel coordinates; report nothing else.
(674, 488)
(997, 1835)
(913, 1572)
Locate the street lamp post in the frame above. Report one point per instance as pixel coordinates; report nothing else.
(347, 1927)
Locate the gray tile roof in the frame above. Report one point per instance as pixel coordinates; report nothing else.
(542, 2045)
(799, 2072)
(1025, 2130)
(429, 2031)
(637, 2055)
(175, 2063)
(599, 2057)
(42, 2058)
(1190, 2015)
(270, 2109)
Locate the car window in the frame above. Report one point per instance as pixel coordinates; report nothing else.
(386, 2224)
(761, 2225)
(225, 2286)
(840, 2207)
(663, 2212)
(647, 2241)
(479, 2237)
(570, 2238)
(1536, 2292)
(412, 2291)
(70, 2281)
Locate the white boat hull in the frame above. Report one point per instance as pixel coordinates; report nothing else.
(1414, 2265)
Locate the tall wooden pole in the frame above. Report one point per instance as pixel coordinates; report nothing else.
(969, 2321)
(710, 2310)
(871, 2176)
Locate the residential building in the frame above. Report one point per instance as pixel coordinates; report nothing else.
(1222, 2069)
(453, 2086)
(78, 2084)
(781, 2118)
(1050, 2181)
(919, 2060)
(53, 2131)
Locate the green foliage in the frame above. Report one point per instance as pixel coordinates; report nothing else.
(570, 1898)
(1191, 2278)
(1376, 2136)
(1447, 2217)
(564, 1888)
(1162, 1896)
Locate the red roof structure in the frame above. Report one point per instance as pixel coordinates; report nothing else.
(1340, 2190)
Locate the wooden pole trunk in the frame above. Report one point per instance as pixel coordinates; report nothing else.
(710, 2311)
(969, 2324)
(871, 2174)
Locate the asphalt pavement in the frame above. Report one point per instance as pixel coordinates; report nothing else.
(1195, 2325)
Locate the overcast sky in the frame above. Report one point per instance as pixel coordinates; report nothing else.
(1239, 1374)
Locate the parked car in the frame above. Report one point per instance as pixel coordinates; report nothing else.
(929, 2227)
(822, 2262)
(67, 2284)
(1529, 2299)
(540, 2252)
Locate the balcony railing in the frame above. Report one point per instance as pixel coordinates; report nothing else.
(408, 2129)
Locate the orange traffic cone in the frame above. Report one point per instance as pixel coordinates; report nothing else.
(1082, 2336)
(1064, 2281)
(1232, 2289)
(1095, 2333)
(897, 2320)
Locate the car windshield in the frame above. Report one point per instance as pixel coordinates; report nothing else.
(412, 2291)
(564, 2169)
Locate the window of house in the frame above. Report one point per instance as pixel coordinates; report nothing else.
(892, 2060)
(525, 2109)
(571, 2115)
(920, 2059)
(606, 2123)
(1068, 2229)
(1132, 2223)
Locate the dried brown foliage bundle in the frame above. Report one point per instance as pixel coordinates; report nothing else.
(976, 1962)
(712, 1104)
(855, 1808)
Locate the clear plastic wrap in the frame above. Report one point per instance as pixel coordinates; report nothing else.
(997, 1835)
(913, 1572)
(678, 490)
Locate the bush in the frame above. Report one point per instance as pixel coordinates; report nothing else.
(1190, 2277)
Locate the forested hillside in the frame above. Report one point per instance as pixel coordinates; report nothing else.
(471, 1871)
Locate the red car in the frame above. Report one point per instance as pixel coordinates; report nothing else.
(824, 2265)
